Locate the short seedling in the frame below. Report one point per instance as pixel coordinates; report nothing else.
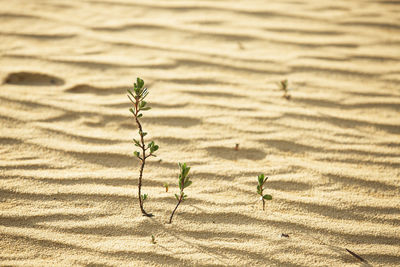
(139, 105)
(183, 182)
(166, 185)
(153, 239)
(260, 189)
(284, 86)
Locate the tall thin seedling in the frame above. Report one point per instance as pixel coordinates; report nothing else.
(139, 105)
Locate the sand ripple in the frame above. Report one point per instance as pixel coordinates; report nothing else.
(67, 175)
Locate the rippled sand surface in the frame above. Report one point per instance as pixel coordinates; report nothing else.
(332, 152)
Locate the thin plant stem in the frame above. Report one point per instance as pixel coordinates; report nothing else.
(263, 203)
(176, 207)
(143, 160)
(262, 193)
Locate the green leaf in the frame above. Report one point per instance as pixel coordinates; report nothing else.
(144, 134)
(177, 197)
(258, 190)
(139, 115)
(144, 197)
(136, 153)
(284, 84)
(185, 171)
(145, 108)
(136, 90)
(140, 82)
(130, 92)
(187, 183)
(142, 104)
(261, 179)
(267, 197)
(155, 148)
(131, 110)
(144, 93)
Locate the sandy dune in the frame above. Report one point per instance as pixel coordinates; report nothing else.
(67, 174)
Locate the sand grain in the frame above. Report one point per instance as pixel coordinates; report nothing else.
(67, 175)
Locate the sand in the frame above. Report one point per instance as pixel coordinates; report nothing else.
(68, 179)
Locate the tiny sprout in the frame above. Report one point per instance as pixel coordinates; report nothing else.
(260, 189)
(144, 197)
(166, 185)
(284, 86)
(183, 182)
(153, 239)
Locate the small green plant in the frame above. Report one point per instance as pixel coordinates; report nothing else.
(166, 185)
(237, 147)
(153, 239)
(183, 182)
(260, 189)
(284, 86)
(139, 105)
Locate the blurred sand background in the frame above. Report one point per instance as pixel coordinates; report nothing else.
(68, 177)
